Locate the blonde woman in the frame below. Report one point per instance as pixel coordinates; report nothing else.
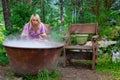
(34, 29)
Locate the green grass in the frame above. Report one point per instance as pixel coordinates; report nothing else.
(106, 66)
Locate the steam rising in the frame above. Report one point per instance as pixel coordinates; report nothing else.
(13, 41)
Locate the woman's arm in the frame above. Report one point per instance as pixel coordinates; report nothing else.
(43, 31)
(24, 33)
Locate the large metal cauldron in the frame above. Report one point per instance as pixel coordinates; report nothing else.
(29, 60)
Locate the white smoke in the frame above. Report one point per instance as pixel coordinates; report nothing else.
(16, 41)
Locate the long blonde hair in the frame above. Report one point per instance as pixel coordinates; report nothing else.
(38, 18)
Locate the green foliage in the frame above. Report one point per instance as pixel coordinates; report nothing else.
(110, 16)
(105, 63)
(3, 57)
(2, 37)
(116, 5)
(113, 18)
(20, 15)
(28, 77)
(79, 39)
(106, 66)
(88, 18)
(79, 12)
(105, 31)
(46, 75)
(115, 33)
(102, 18)
(43, 75)
(56, 36)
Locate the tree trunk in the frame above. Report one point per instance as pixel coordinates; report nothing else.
(42, 11)
(30, 1)
(6, 12)
(108, 3)
(96, 8)
(61, 11)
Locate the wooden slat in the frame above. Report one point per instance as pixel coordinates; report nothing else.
(78, 47)
(83, 29)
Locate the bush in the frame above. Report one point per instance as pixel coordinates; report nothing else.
(3, 57)
(20, 15)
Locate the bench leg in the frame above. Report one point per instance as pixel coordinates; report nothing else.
(64, 64)
(93, 59)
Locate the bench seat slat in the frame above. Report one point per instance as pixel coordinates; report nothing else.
(79, 47)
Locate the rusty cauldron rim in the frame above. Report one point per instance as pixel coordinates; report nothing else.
(30, 47)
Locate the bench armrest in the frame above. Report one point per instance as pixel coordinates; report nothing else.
(95, 38)
(66, 37)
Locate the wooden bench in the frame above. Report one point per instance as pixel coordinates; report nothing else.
(83, 52)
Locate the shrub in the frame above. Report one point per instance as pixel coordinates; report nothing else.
(20, 15)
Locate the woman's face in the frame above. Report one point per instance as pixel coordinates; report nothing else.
(35, 21)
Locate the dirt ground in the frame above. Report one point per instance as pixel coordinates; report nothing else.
(71, 72)
(80, 72)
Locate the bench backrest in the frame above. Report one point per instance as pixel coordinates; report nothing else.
(83, 29)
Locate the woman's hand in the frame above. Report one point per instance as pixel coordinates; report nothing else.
(43, 35)
(22, 36)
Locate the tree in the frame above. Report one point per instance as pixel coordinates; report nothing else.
(42, 10)
(61, 11)
(6, 12)
(30, 1)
